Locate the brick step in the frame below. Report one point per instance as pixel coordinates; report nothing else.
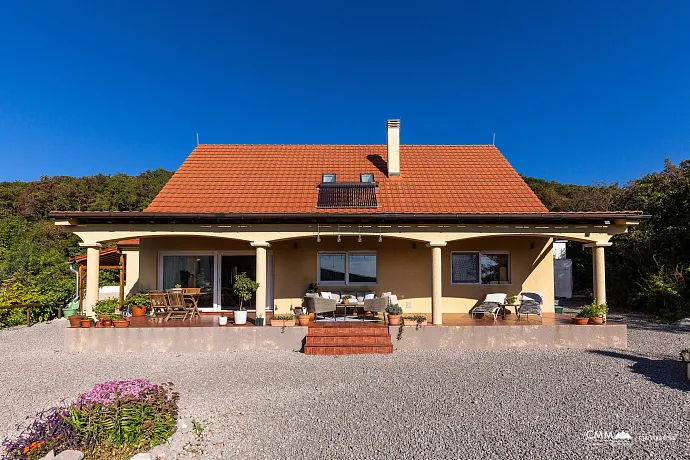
(348, 350)
(352, 340)
(346, 331)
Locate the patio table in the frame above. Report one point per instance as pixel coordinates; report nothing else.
(354, 304)
(194, 302)
(503, 308)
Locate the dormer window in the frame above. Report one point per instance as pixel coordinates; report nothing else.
(328, 178)
(366, 178)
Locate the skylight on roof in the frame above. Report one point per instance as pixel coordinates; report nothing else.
(328, 178)
(366, 178)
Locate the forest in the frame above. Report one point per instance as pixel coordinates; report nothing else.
(648, 269)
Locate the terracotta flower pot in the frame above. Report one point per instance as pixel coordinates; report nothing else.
(107, 322)
(85, 323)
(121, 323)
(597, 320)
(579, 321)
(394, 320)
(303, 320)
(346, 301)
(282, 322)
(138, 311)
(75, 321)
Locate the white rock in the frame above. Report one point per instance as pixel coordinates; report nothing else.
(142, 456)
(69, 455)
(159, 453)
(49, 456)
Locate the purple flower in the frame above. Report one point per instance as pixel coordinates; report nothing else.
(107, 393)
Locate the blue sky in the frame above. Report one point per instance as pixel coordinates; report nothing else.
(575, 91)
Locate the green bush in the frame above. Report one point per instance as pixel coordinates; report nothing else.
(106, 307)
(394, 309)
(138, 300)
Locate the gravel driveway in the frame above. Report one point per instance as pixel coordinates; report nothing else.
(412, 404)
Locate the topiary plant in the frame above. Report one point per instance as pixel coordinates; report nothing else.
(245, 287)
(138, 300)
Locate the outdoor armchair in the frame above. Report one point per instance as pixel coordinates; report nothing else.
(492, 304)
(530, 304)
(376, 306)
(159, 304)
(320, 305)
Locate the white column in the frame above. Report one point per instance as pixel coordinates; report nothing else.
(594, 272)
(600, 274)
(92, 270)
(599, 271)
(436, 282)
(261, 277)
(131, 270)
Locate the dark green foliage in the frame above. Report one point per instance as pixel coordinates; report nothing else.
(649, 267)
(33, 251)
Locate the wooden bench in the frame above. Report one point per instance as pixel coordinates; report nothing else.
(28, 311)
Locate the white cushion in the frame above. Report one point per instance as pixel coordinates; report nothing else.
(325, 294)
(335, 297)
(386, 294)
(360, 299)
(496, 297)
(369, 296)
(531, 296)
(393, 299)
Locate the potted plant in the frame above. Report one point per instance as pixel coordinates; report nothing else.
(75, 320)
(414, 320)
(259, 320)
(313, 288)
(106, 320)
(394, 313)
(346, 299)
(222, 319)
(303, 317)
(86, 321)
(119, 321)
(139, 303)
(283, 320)
(587, 312)
(245, 288)
(685, 357)
(105, 307)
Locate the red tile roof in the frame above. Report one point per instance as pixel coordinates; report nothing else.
(434, 179)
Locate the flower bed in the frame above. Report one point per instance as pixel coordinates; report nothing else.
(114, 420)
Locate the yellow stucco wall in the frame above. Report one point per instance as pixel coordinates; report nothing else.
(404, 267)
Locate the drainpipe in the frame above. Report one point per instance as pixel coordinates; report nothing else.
(76, 289)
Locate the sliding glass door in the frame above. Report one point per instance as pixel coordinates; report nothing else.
(213, 272)
(231, 266)
(190, 271)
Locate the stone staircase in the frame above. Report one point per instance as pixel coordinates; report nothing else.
(333, 339)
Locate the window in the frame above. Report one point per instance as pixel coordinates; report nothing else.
(328, 178)
(367, 178)
(190, 271)
(347, 268)
(480, 268)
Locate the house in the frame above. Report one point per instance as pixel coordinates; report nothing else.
(438, 225)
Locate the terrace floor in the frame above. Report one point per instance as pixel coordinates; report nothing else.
(449, 319)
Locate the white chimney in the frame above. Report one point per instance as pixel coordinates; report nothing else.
(393, 144)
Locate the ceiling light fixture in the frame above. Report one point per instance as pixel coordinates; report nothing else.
(359, 235)
(318, 233)
(338, 233)
(380, 237)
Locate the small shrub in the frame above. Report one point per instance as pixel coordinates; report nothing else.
(106, 306)
(245, 287)
(49, 430)
(138, 300)
(394, 309)
(283, 317)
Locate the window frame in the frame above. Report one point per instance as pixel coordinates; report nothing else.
(323, 178)
(479, 268)
(347, 268)
(361, 178)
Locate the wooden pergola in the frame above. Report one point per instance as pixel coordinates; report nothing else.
(109, 259)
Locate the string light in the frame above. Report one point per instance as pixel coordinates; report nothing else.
(318, 233)
(359, 235)
(338, 233)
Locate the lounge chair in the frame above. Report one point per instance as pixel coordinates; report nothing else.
(493, 303)
(376, 306)
(530, 304)
(320, 305)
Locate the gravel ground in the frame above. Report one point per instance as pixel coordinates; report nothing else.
(412, 404)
